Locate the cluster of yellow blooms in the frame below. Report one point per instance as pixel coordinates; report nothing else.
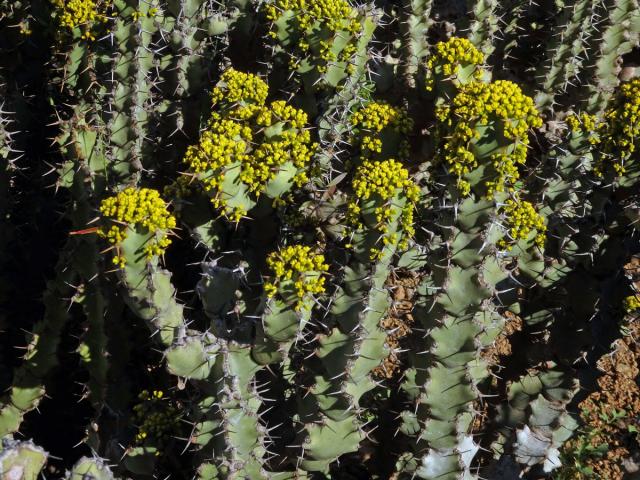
(156, 419)
(623, 129)
(631, 303)
(239, 136)
(522, 219)
(221, 144)
(299, 264)
(449, 57)
(617, 132)
(239, 91)
(331, 20)
(82, 13)
(279, 111)
(25, 28)
(384, 181)
(586, 126)
(137, 208)
(138, 14)
(500, 104)
(583, 122)
(370, 121)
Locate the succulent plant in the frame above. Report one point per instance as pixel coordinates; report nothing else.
(239, 187)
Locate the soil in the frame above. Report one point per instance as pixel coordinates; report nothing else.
(618, 393)
(398, 322)
(501, 347)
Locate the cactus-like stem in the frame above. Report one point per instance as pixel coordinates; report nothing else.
(133, 87)
(90, 469)
(460, 315)
(568, 207)
(333, 91)
(120, 350)
(514, 15)
(345, 358)
(182, 21)
(534, 423)
(109, 78)
(28, 380)
(583, 224)
(576, 198)
(191, 35)
(87, 263)
(24, 52)
(229, 434)
(151, 295)
(22, 460)
(133, 67)
(279, 328)
(618, 38)
(333, 122)
(141, 82)
(484, 25)
(565, 60)
(535, 417)
(340, 369)
(78, 261)
(458, 310)
(415, 22)
(137, 224)
(228, 431)
(92, 348)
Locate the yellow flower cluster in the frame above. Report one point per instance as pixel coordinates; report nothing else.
(623, 130)
(384, 181)
(449, 57)
(25, 29)
(155, 418)
(82, 13)
(582, 122)
(279, 111)
(138, 14)
(137, 208)
(522, 219)
(631, 303)
(300, 265)
(375, 117)
(586, 124)
(262, 165)
(241, 133)
(241, 92)
(500, 104)
(330, 20)
(222, 143)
